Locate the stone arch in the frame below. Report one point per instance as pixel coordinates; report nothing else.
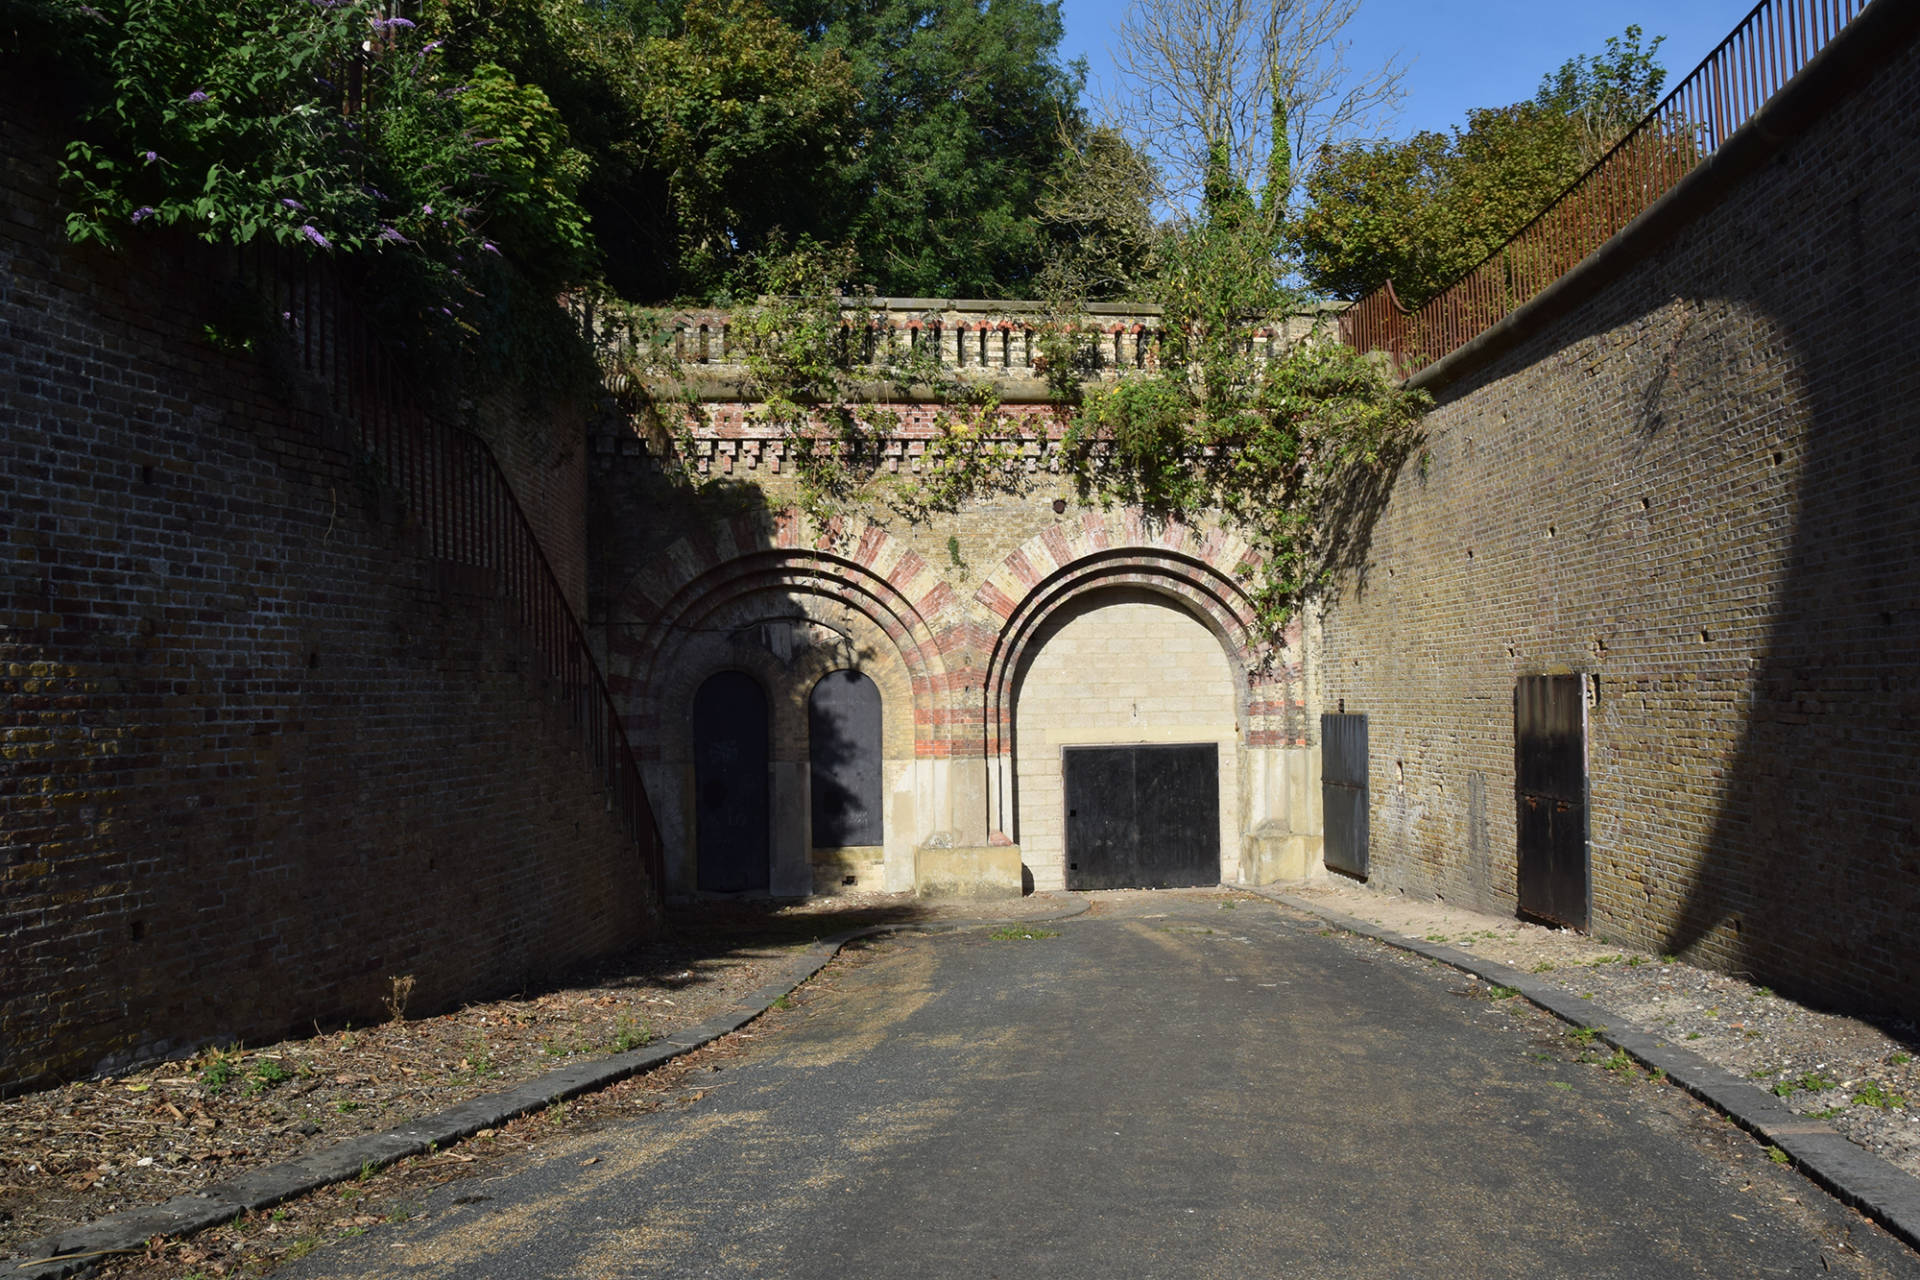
(1202, 571)
(790, 601)
(855, 563)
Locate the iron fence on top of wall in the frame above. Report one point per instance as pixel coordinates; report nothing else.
(1742, 74)
(463, 504)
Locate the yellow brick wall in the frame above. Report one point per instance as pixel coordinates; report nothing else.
(1127, 666)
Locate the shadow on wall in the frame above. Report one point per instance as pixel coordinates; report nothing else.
(1810, 873)
(1359, 498)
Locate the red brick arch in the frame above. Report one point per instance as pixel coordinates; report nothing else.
(856, 565)
(1203, 569)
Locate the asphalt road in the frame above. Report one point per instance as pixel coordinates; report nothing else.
(1168, 1088)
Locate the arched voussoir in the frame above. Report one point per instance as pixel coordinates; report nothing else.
(861, 570)
(1059, 546)
(1219, 604)
(708, 547)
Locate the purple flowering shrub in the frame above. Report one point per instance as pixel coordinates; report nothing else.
(326, 125)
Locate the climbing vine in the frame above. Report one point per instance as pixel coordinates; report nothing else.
(1290, 448)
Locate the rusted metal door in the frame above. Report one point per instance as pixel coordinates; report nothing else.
(730, 784)
(1343, 792)
(1142, 817)
(1550, 779)
(843, 751)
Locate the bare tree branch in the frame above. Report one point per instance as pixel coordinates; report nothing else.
(1201, 74)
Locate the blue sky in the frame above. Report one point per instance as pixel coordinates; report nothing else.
(1471, 53)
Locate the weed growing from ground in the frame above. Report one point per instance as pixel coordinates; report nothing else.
(1502, 993)
(266, 1074)
(1025, 933)
(219, 1069)
(1778, 1156)
(1584, 1035)
(1873, 1094)
(399, 990)
(1805, 1082)
(631, 1035)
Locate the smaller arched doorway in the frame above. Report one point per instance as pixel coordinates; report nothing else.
(730, 748)
(844, 754)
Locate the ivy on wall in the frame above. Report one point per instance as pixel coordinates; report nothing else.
(1290, 450)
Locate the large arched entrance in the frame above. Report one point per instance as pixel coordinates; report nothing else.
(730, 743)
(1126, 746)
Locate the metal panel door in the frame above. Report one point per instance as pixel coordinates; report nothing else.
(843, 751)
(1550, 782)
(730, 784)
(1142, 817)
(1343, 792)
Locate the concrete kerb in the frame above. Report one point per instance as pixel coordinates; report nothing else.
(1855, 1177)
(79, 1249)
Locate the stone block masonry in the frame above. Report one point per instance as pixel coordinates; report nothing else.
(258, 754)
(1702, 487)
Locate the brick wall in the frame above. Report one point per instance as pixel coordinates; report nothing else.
(257, 753)
(542, 449)
(1703, 487)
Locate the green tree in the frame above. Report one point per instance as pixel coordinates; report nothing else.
(1424, 211)
(961, 104)
(710, 128)
(1102, 239)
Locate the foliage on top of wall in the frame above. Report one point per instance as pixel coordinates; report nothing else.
(1276, 447)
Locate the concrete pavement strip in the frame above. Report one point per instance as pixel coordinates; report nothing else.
(78, 1249)
(1853, 1175)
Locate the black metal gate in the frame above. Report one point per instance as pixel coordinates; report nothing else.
(730, 784)
(1343, 791)
(1142, 817)
(1550, 781)
(843, 750)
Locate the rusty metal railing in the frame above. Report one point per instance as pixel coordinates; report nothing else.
(1767, 49)
(464, 507)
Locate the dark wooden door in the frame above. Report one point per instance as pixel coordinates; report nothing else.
(1142, 817)
(730, 784)
(1550, 782)
(843, 749)
(1343, 791)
